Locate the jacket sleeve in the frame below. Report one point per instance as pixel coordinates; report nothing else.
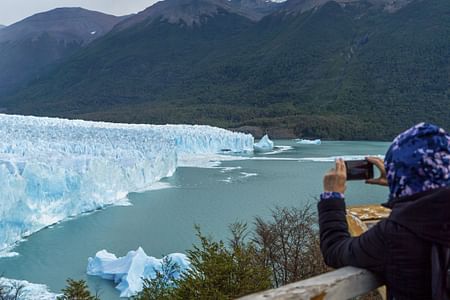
(339, 249)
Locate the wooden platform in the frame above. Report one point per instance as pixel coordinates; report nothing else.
(362, 217)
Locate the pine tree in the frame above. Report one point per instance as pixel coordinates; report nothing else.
(76, 290)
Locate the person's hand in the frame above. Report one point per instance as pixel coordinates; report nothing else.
(335, 179)
(382, 180)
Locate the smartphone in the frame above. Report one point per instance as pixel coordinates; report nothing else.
(359, 169)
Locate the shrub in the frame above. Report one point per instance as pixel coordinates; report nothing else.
(218, 271)
(289, 244)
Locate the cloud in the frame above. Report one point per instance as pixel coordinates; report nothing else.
(12, 11)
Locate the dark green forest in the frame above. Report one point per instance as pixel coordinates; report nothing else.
(335, 72)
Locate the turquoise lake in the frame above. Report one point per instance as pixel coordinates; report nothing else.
(161, 221)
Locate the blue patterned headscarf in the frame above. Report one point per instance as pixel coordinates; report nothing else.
(418, 160)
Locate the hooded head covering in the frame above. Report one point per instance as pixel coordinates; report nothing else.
(418, 160)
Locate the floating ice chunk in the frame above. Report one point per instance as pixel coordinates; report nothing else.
(28, 291)
(245, 174)
(129, 271)
(308, 142)
(333, 158)
(52, 169)
(229, 169)
(264, 145)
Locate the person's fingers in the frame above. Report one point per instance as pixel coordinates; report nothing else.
(372, 181)
(372, 159)
(344, 167)
(340, 166)
(378, 162)
(377, 181)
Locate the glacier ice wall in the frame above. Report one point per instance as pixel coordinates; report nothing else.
(51, 169)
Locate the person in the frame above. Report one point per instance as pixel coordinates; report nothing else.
(408, 251)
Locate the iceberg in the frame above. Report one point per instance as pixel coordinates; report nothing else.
(27, 291)
(308, 142)
(129, 271)
(264, 145)
(52, 169)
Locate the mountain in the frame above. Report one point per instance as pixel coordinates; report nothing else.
(152, 49)
(191, 12)
(63, 24)
(259, 8)
(2, 26)
(300, 6)
(34, 43)
(353, 70)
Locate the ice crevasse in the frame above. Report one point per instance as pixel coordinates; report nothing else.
(52, 169)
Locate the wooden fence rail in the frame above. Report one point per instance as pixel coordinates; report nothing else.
(340, 284)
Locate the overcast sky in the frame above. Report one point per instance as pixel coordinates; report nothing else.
(12, 11)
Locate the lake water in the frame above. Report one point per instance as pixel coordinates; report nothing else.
(161, 221)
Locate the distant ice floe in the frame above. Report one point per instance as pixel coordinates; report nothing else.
(245, 174)
(308, 142)
(333, 158)
(240, 177)
(28, 291)
(264, 145)
(54, 169)
(229, 169)
(128, 271)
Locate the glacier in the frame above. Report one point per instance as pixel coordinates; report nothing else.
(264, 145)
(129, 271)
(52, 169)
(28, 290)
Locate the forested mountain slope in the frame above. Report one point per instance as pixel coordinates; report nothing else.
(350, 70)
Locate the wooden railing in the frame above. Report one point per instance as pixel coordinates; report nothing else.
(344, 283)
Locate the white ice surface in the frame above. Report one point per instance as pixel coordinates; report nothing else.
(264, 145)
(308, 142)
(128, 271)
(52, 169)
(29, 291)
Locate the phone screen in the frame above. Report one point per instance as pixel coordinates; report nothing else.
(359, 169)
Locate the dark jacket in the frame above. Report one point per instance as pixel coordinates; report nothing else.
(397, 249)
